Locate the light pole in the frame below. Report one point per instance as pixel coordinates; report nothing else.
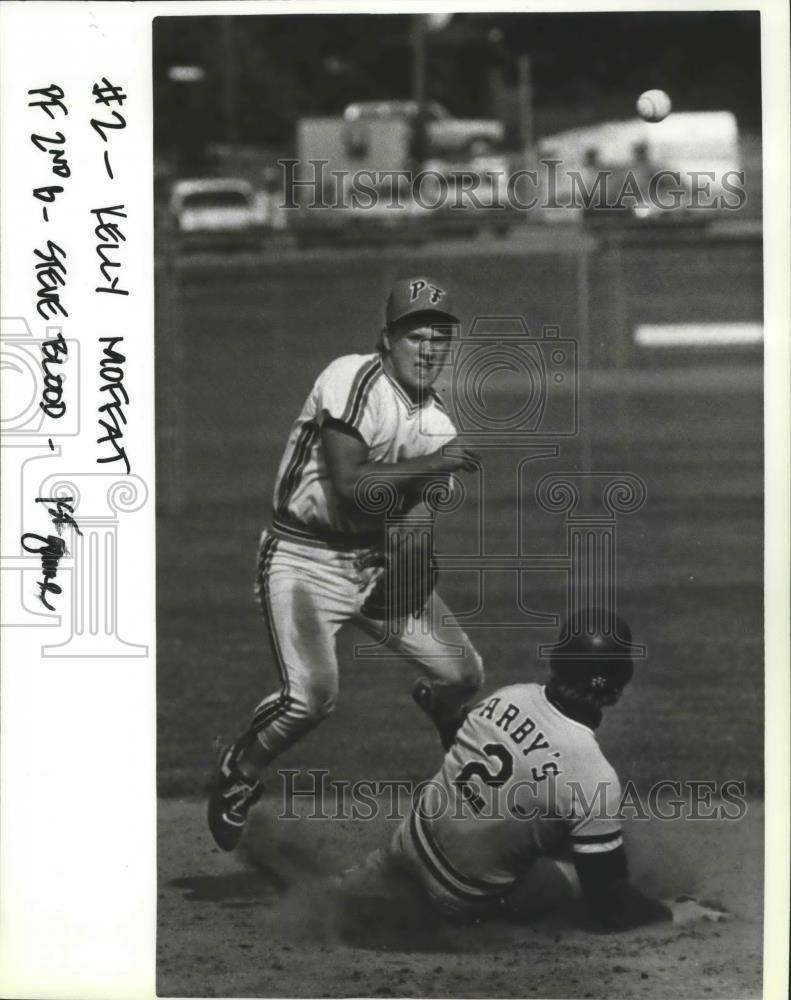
(418, 39)
(525, 90)
(229, 71)
(188, 80)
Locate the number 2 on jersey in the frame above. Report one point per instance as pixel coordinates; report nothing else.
(477, 768)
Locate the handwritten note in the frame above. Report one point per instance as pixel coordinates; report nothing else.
(54, 278)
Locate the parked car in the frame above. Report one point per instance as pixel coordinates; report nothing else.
(215, 206)
(446, 135)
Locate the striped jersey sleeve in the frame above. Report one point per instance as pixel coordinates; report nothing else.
(596, 823)
(344, 391)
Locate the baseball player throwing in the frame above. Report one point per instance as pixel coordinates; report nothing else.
(320, 563)
(525, 778)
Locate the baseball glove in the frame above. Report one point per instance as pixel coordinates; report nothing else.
(406, 582)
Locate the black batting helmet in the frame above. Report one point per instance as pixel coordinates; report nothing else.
(593, 655)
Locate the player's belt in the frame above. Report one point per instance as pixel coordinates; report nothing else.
(290, 529)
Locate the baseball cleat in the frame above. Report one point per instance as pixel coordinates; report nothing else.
(423, 695)
(447, 720)
(230, 800)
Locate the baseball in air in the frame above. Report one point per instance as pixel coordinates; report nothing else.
(653, 105)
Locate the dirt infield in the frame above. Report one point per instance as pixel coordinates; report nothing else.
(266, 922)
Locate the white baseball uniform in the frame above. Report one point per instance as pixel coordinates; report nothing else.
(322, 554)
(520, 781)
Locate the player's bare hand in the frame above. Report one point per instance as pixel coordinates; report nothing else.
(687, 910)
(457, 458)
